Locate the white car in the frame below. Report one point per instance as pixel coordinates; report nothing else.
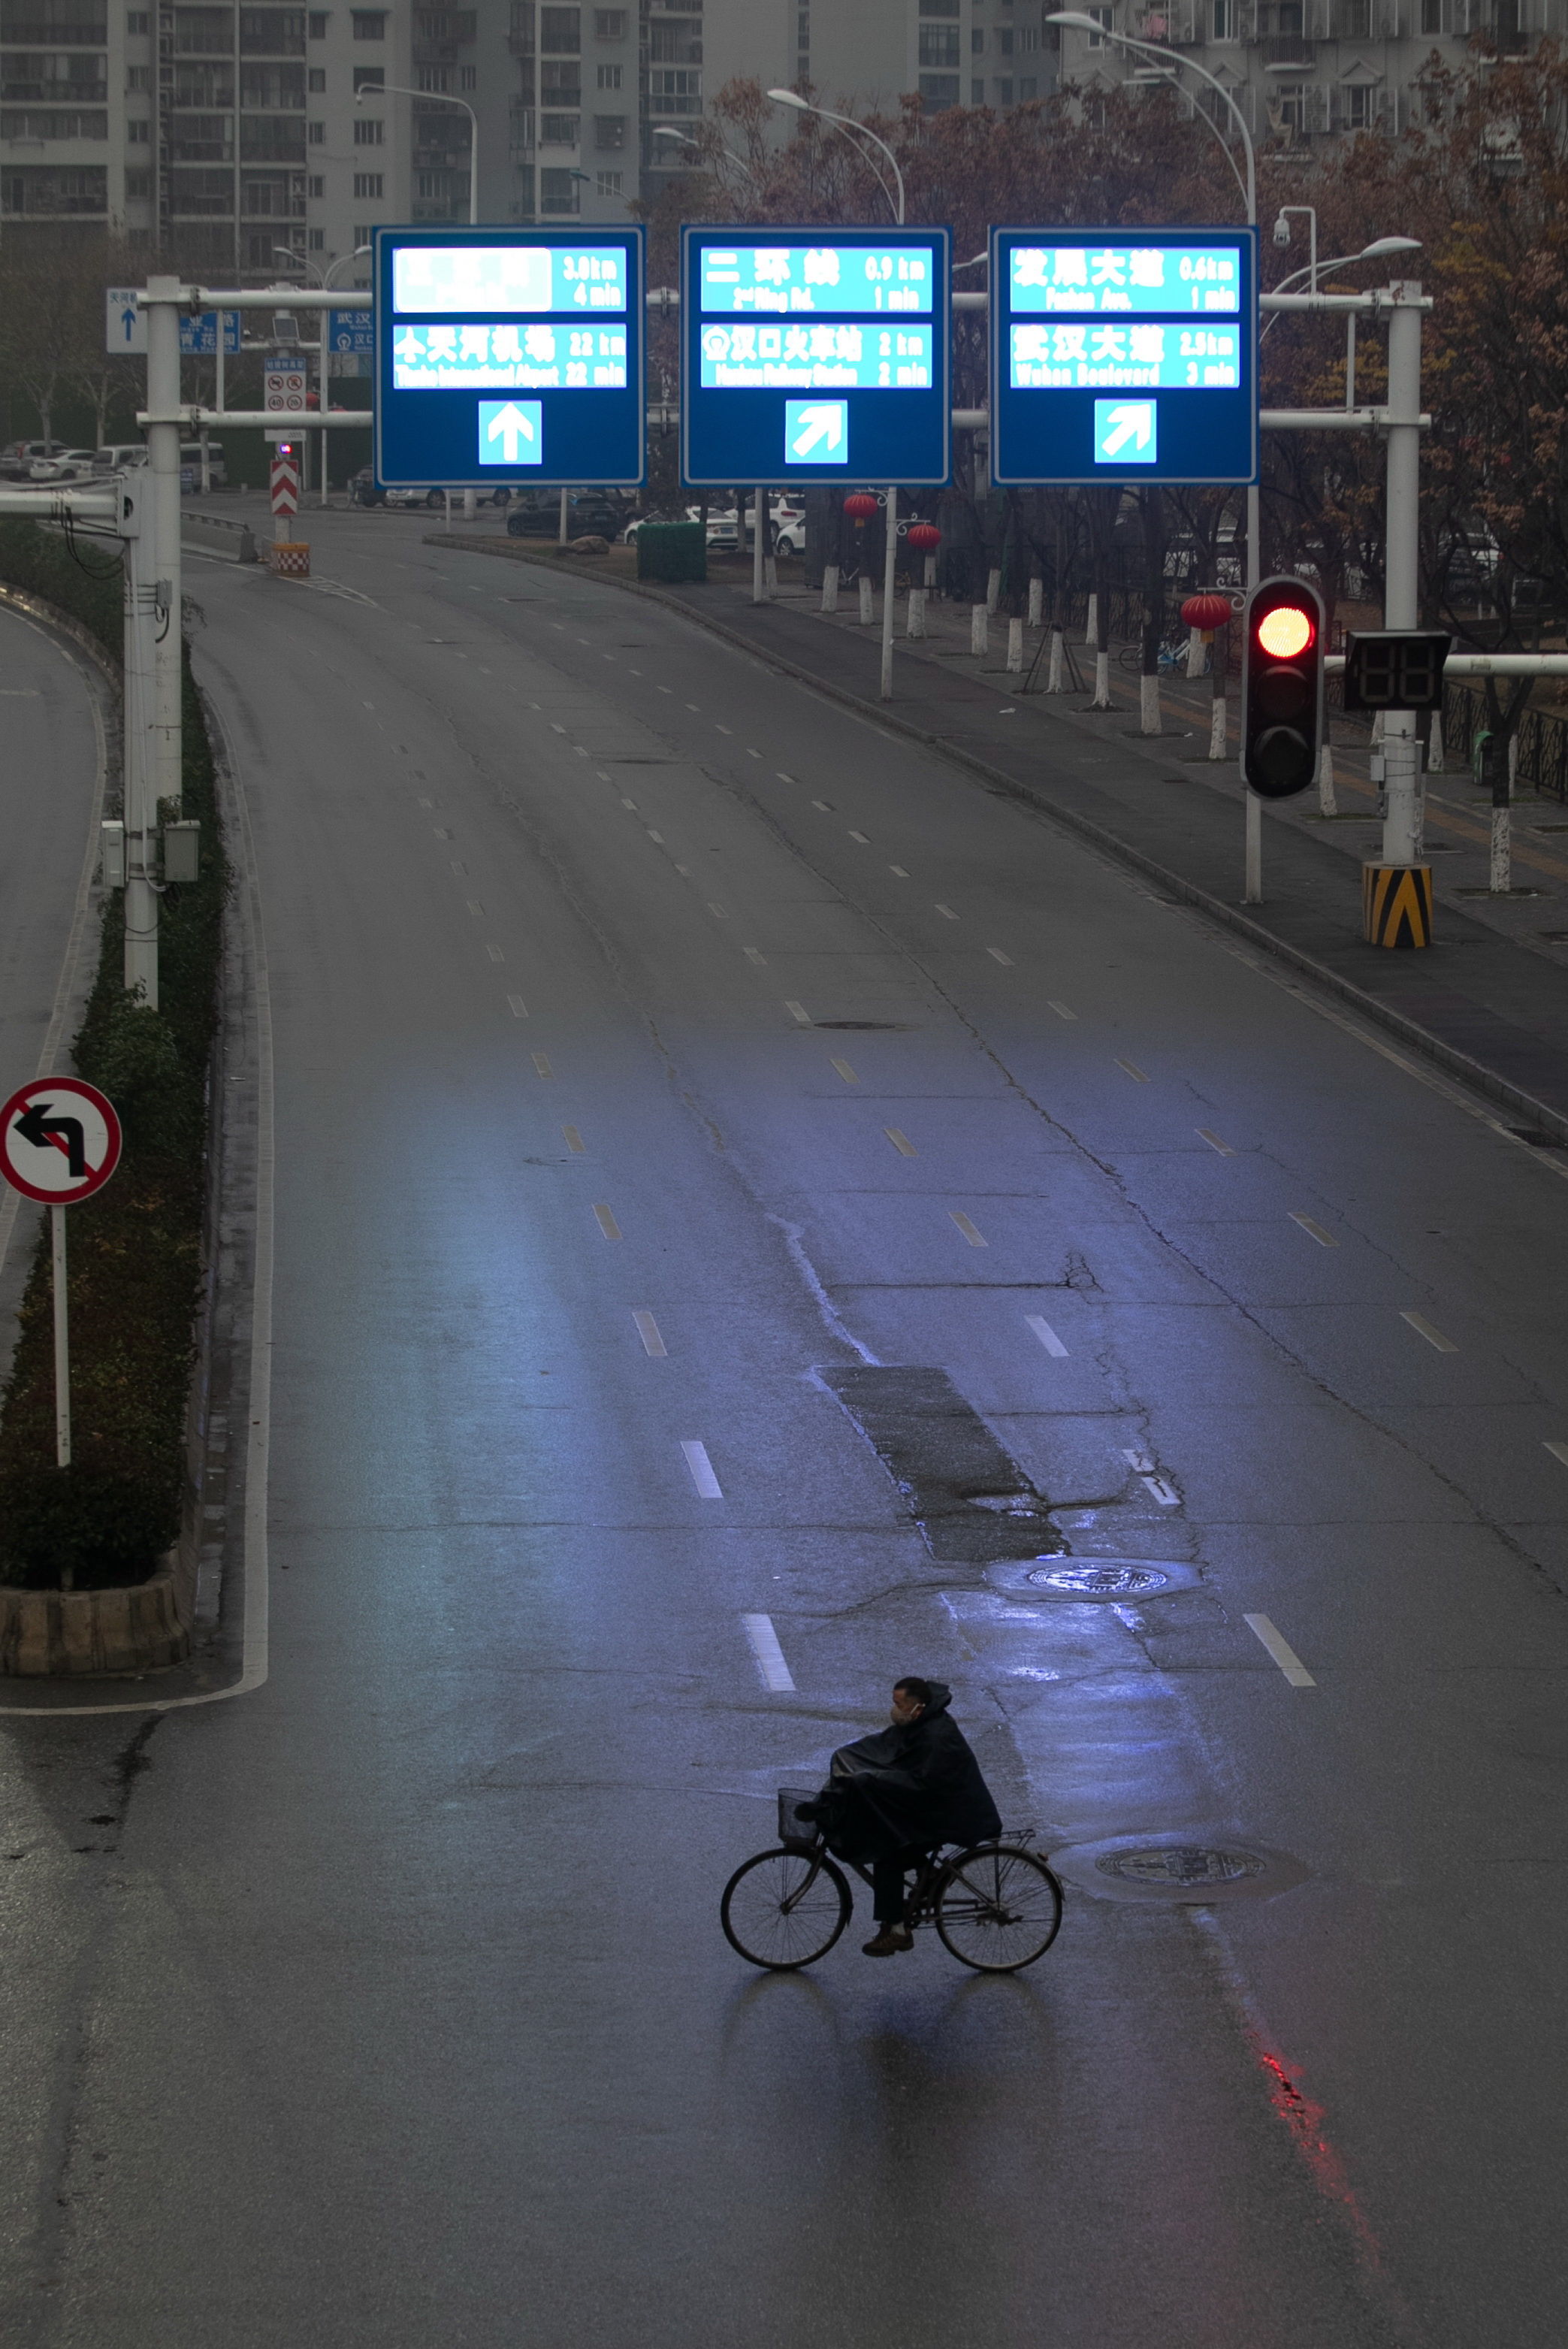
(70, 465)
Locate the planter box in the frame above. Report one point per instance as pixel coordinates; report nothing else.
(76, 1634)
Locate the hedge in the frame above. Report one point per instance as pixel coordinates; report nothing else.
(135, 1249)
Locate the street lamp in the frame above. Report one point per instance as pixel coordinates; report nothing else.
(439, 98)
(1172, 62)
(793, 98)
(678, 138)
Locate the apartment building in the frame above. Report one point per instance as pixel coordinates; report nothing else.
(245, 140)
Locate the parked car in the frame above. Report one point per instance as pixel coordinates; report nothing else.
(589, 513)
(69, 465)
(18, 457)
(629, 535)
(365, 490)
(120, 457)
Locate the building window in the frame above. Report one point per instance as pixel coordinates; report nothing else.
(1223, 20)
(138, 186)
(367, 184)
(317, 240)
(607, 183)
(317, 188)
(977, 41)
(939, 7)
(137, 20)
(939, 90)
(467, 77)
(939, 45)
(434, 78)
(368, 131)
(1029, 88)
(1102, 16)
(140, 134)
(369, 24)
(365, 232)
(316, 81)
(370, 78)
(558, 129)
(139, 76)
(557, 191)
(1431, 16)
(1004, 90)
(1353, 19)
(315, 24)
(673, 91)
(561, 31)
(609, 24)
(1291, 105)
(609, 130)
(609, 77)
(315, 133)
(1004, 41)
(1358, 107)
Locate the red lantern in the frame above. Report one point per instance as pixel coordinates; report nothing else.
(925, 537)
(1207, 612)
(859, 505)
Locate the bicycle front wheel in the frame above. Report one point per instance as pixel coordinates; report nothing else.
(784, 1910)
(998, 1908)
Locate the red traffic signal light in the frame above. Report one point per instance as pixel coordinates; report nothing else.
(1282, 687)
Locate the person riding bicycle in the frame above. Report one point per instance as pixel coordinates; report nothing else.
(894, 1797)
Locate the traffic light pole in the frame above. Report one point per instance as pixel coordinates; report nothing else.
(1403, 820)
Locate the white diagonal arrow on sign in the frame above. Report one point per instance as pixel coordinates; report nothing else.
(815, 425)
(1131, 422)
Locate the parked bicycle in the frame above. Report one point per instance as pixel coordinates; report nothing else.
(996, 1907)
(1171, 655)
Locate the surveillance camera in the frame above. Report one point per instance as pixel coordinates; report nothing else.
(1281, 230)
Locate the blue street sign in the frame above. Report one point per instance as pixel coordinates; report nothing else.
(1123, 354)
(556, 313)
(772, 320)
(199, 336)
(352, 331)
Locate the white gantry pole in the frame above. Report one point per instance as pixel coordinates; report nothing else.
(161, 550)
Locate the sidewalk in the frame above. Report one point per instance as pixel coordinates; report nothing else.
(1489, 1001)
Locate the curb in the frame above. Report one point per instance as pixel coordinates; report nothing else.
(1454, 1063)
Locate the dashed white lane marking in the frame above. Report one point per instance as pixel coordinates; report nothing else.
(604, 778)
(495, 953)
(658, 837)
(846, 1073)
(1134, 1071)
(441, 832)
(825, 805)
(664, 689)
(1282, 1651)
(782, 777)
(717, 911)
(1214, 1142)
(752, 956)
(541, 1064)
(694, 707)
(1046, 1335)
(717, 727)
(648, 1332)
(1558, 1451)
(606, 1221)
(696, 1460)
(459, 868)
(975, 1238)
(519, 1008)
(1148, 1473)
(798, 1012)
(763, 1640)
(574, 1142)
(861, 838)
(751, 753)
(901, 1141)
(900, 871)
(685, 870)
(626, 802)
(476, 909)
(947, 913)
(1314, 1231)
(1423, 1328)
(1060, 1009)
(555, 729)
(997, 955)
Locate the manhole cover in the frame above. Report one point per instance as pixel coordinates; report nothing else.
(1110, 1580)
(1185, 1863)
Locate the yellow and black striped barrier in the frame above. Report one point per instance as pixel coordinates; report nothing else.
(1397, 905)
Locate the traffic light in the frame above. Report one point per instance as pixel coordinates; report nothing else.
(1282, 687)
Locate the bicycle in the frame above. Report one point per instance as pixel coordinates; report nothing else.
(996, 1907)
(1171, 656)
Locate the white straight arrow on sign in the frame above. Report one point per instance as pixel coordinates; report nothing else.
(511, 427)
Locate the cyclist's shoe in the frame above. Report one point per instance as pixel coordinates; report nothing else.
(889, 1940)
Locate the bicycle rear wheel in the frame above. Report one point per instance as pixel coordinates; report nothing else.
(998, 1908)
(784, 1910)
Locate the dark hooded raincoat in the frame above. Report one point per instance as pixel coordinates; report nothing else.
(914, 1785)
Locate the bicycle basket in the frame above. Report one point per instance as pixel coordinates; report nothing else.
(791, 1829)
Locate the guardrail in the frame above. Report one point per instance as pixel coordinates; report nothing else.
(246, 549)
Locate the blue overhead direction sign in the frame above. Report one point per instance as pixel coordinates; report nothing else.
(465, 319)
(351, 331)
(1164, 318)
(772, 318)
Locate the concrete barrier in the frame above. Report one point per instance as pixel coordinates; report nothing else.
(78, 1633)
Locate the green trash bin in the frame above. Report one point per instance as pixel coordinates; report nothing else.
(672, 550)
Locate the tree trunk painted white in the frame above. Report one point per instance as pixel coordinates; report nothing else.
(1037, 600)
(1435, 746)
(1015, 646)
(1327, 804)
(1148, 705)
(1091, 625)
(1502, 876)
(1217, 729)
(1513, 766)
(1101, 682)
(992, 591)
(979, 630)
(1197, 644)
(1054, 672)
(917, 612)
(829, 587)
(868, 612)
(770, 575)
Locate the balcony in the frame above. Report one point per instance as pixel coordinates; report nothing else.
(53, 93)
(266, 140)
(520, 133)
(17, 33)
(1283, 49)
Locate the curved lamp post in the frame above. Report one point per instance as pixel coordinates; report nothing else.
(439, 98)
(792, 98)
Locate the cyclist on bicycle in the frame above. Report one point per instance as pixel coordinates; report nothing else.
(893, 1797)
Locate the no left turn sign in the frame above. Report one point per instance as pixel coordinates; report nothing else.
(59, 1141)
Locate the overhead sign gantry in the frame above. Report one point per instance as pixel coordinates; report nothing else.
(1123, 355)
(509, 355)
(816, 354)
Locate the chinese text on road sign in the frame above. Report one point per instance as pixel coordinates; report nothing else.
(468, 319)
(774, 319)
(1123, 355)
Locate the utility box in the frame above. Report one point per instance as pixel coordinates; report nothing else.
(111, 855)
(181, 851)
(671, 550)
